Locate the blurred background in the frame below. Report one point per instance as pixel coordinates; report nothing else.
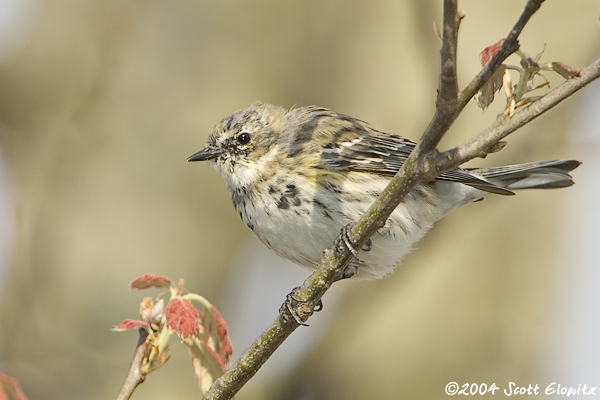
(102, 102)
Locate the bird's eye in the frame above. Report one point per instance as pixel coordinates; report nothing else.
(243, 138)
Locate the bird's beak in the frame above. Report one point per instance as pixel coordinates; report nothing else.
(205, 154)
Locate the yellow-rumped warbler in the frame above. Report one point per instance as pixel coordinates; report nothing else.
(297, 177)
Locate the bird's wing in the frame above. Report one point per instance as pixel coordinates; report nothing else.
(384, 154)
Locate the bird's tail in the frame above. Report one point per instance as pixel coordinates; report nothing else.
(535, 175)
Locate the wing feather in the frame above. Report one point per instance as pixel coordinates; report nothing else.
(384, 154)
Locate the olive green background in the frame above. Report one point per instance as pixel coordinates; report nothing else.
(102, 102)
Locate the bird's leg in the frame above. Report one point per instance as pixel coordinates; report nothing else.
(344, 241)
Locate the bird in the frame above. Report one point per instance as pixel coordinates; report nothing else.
(298, 176)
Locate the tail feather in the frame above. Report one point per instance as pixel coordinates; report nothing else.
(535, 175)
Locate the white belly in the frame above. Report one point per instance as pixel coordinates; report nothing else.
(299, 224)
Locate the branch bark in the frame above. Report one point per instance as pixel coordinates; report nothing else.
(448, 93)
(136, 374)
(424, 164)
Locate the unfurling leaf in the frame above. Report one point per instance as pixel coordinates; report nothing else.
(530, 64)
(564, 70)
(182, 317)
(207, 364)
(201, 329)
(226, 349)
(150, 312)
(128, 324)
(486, 94)
(489, 52)
(150, 280)
(210, 348)
(10, 388)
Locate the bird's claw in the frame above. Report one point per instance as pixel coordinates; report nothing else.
(300, 310)
(345, 241)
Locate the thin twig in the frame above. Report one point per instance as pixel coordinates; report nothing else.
(448, 93)
(136, 374)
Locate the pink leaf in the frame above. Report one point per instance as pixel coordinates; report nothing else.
(150, 280)
(489, 52)
(182, 317)
(130, 324)
(10, 388)
(564, 70)
(226, 347)
(530, 63)
(207, 364)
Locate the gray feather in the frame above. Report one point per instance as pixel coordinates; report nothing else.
(535, 175)
(385, 155)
